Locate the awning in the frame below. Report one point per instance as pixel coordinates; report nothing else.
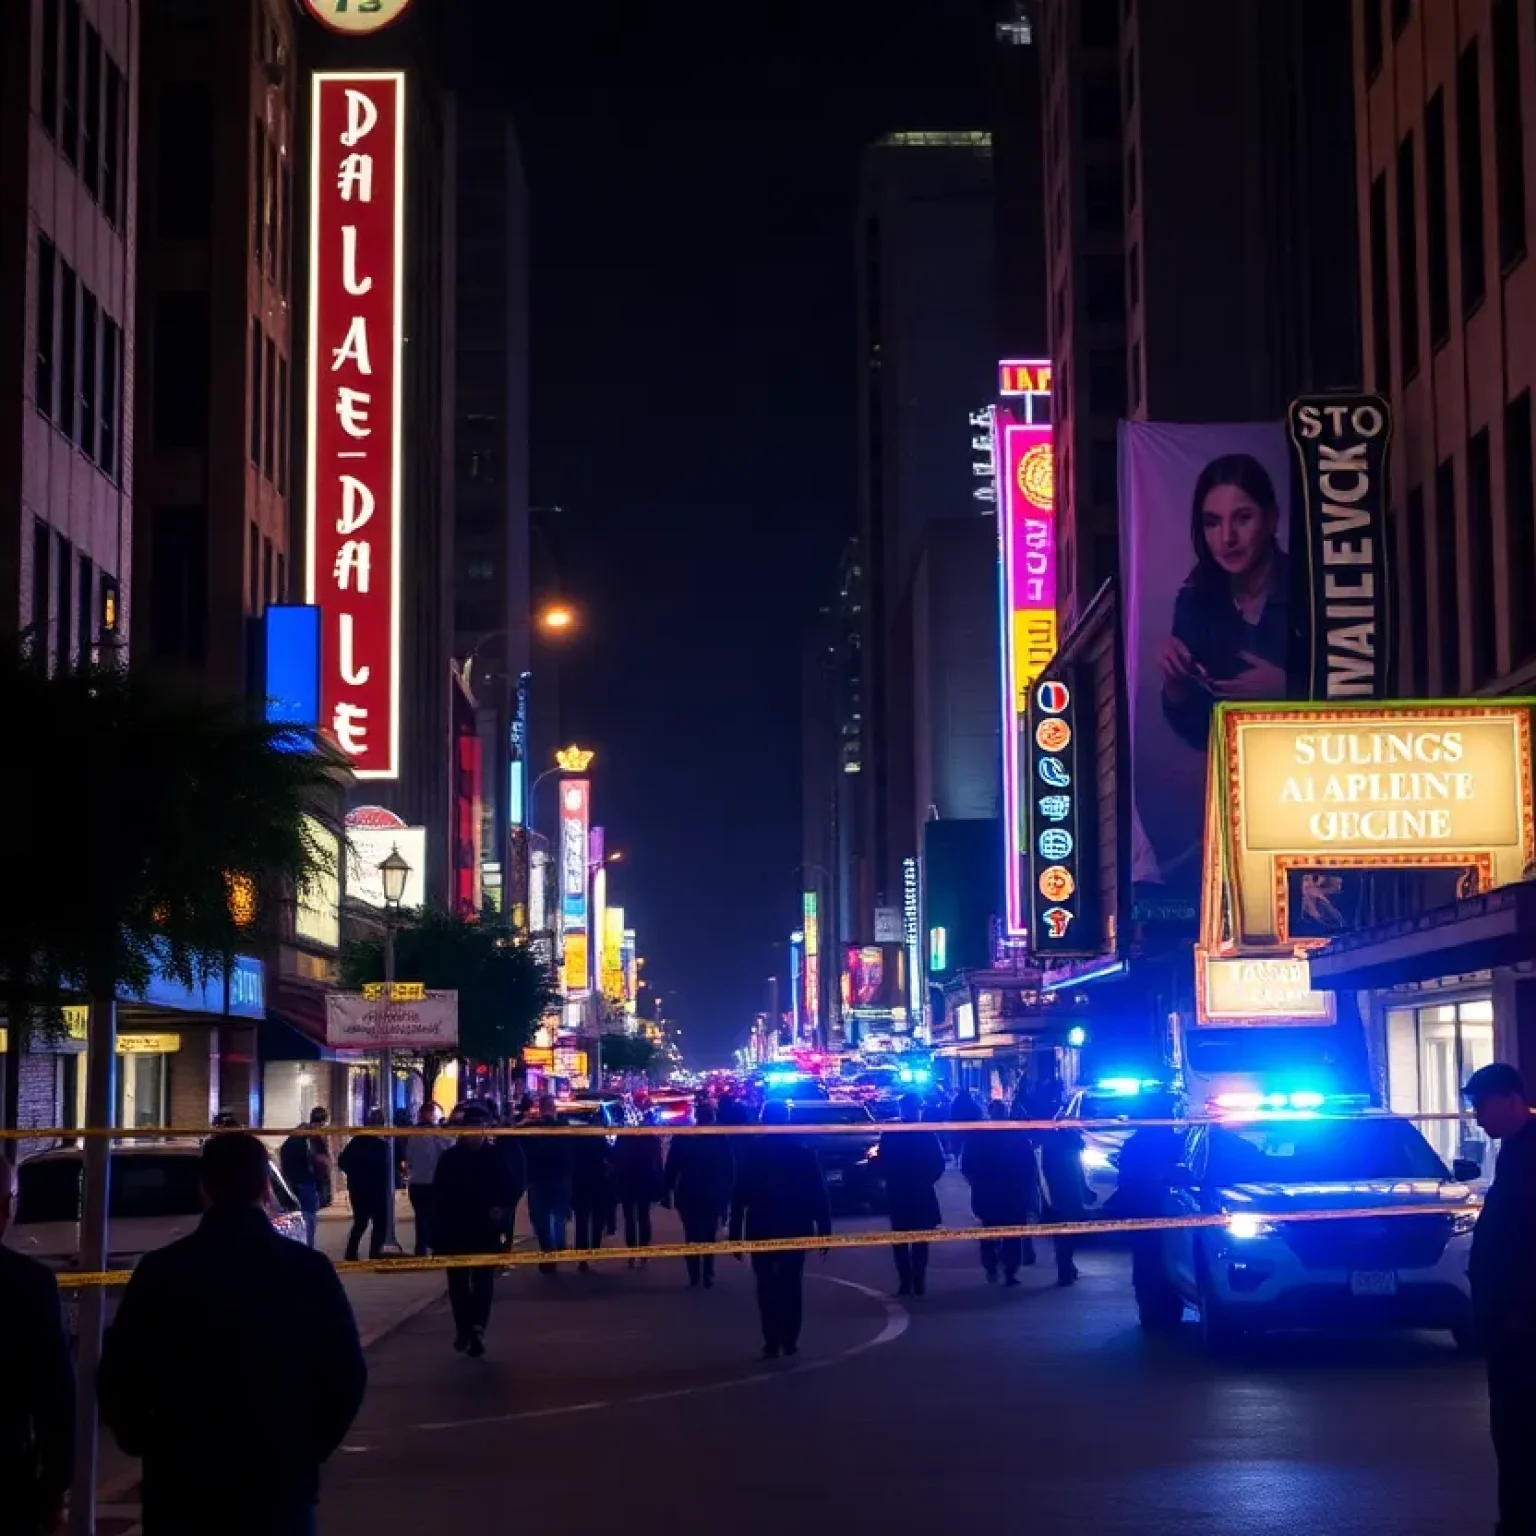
(1480, 933)
(279, 1040)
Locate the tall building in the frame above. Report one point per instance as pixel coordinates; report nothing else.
(218, 105)
(927, 356)
(1446, 179)
(68, 248)
(1199, 242)
(491, 554)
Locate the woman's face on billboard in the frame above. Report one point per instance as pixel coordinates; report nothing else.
(1238, 532)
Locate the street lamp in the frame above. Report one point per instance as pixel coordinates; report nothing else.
(394, 871)
(558, 619)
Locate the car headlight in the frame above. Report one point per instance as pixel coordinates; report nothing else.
(1097, 1158)
(1463, 1222)
(1244, 1228)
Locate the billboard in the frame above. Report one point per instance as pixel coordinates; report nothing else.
(317, 909)
(353, 503)
(1300, 793)
(1026, 463)
(372, 833)
(811, 927)
(631, 966)
(1207, 615)
(1341, 444)
(612, 969)
(874, 981)
(575, 831)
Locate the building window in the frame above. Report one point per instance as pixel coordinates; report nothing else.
(1104, 289)
(178, 596)
(111, 395)
(85, 610)
(90, 122)
(258, 188)
(280, 453)
(269, 407)
(69, 308)
(1103, 198)
(1482, 609)
(64, 603)
(1135, 375)
(1508, 132)
(109, 611)
(1374, 37)
(1448, 608)
(1130, 80)
(280, 591)
(1407, 259)
(70, 132)
(1437, 234)
(185, 178)
(1101, 104)
(267, 569)
(182, 344)
(1133, 275)
(1401, 11)
(1101, 24)
(1520, 528)
(1381, 296)
(1130, 179)
(257, 351)
(1106, 381)
(285, 260)
(114, 143)
(1431, 1052)
(43, 371)
(50, 86)
(1418, 597)
(253, 568)
(1469, 176)
(42, 587)
(269, 215)
(89, 376)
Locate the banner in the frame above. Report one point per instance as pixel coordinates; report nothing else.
(1207, 616)
(1341, 444)
(354, 1023)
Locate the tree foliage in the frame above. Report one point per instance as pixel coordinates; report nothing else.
(503, 990)
(627, 1053)
(150, 831)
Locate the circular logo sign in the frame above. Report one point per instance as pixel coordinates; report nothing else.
(1053, 772)
(1056, 883)
(1053, 735)
(1036, 476)
(1055, 843)
(1052, 698)
(356, 17)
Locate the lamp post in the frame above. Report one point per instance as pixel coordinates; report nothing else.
(394, 871)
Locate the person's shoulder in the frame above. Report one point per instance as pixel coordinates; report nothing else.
(23, 1275)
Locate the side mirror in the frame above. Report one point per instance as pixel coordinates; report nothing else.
(1467, 1169)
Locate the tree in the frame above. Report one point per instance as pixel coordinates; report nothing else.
(503, 990)
(150, 831)
(627, 1053)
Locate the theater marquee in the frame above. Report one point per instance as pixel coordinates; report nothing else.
(1379, 786)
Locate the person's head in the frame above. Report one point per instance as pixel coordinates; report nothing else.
(470, 1114)
(704, 1112)
(1233, 520)
(429, 1114)
(319, 1115)
(1497, 1096)
(997, 1110)
(7, 1189)
(909, 1107)
(548, 1109)
(374, 1117)
(234, 1171)
(775, 1112)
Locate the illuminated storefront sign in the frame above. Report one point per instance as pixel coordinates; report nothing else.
(576, 966)
(796, 978)
(575, 814)
(811, 927)
(911, 929)
(1267, 989)
(1298, 792)
(356, 17)
(613, 955)
(356, 335)
(1026, 470)
(1024, 378)
(631, 967)
(983, 458)
(1053, 866)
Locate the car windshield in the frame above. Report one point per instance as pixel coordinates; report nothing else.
(1321, 1152)
(1125, 1106)
(1295, 1050)
(142, 1187)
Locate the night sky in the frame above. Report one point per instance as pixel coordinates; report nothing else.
(692, 174)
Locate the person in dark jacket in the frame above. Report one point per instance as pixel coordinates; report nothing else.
(1147, 1162)
(1004, 1177)
(515, 1166)
(300, 1164)
(699, 1174)
(37, 1407)
(638, 1170)
(370, 1186)
(594, 1195)
(962, 1107)
(550, 1157)
(1061, 1163)
(1503, 1274)
(233, 1368)
(911, 1165)
(470, 1193)
(780, 1192)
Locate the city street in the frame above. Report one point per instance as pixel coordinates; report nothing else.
(610, 1392)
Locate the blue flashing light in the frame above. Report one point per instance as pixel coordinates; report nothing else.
(1077, 1036)
(1119, 1085)
(783, 1079)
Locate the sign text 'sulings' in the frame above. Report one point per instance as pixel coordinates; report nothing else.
(354, 405)
(1388, 787)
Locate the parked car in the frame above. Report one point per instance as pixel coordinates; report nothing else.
(156, 1198)
(849, 1161)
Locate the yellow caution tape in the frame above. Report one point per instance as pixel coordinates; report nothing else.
(523, 1259)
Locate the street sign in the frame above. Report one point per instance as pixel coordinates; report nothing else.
(394, 991)
(355, 1022)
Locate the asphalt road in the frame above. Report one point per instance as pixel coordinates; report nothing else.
(609, 1396)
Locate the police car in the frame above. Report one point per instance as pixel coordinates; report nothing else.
(1262, 1267)
(1114, 1098)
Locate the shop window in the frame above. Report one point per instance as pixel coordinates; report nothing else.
(1431, 1052)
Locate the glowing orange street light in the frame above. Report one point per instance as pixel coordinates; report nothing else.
(558, 618)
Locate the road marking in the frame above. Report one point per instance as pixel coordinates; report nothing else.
(897, 1320)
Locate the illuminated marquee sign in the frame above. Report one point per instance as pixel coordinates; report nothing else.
(575, 817)
(1053, 864)
(811, 927)
(1266, 989)
(1026, 468)
(911, 928)
(1378, 786)
(1024, 378)
(983, 457)
(356, 334)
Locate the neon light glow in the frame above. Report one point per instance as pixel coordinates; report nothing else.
(353, 503)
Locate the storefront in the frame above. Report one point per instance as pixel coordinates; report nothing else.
(1434, 1043)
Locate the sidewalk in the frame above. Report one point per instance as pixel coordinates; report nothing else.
(380, 1302)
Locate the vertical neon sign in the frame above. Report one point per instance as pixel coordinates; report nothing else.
(812, 930)
(1026, 467)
